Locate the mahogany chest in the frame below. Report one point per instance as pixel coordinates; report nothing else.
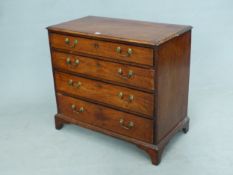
(124, 78)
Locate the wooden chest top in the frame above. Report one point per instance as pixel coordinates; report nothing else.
(130, 31)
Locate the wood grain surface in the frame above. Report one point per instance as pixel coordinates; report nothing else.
(106, 93)
(141, 78)
(106, 118)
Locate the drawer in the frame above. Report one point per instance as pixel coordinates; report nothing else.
(131, 75)
(132, 100)
(117, 51)
(106, 118)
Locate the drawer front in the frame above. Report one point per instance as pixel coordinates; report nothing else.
(106, 118)
(132, 100)
(138, 77)
(102, 48)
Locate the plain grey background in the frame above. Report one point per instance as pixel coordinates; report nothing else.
(29, 144)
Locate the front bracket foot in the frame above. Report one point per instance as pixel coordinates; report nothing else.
(59, 122)
(154, 153)
(185, 128)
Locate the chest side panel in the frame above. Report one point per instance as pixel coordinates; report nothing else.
(172, 83)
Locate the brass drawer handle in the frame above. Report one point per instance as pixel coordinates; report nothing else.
(74, 84)
(129, 75)
(69, 62)
(74, 108)
(77, 85)
(118, 49)
(126, 126)
(70, 82)
(67, 41)
(120, 72)
(130, 51)
(128, 54)
(131, 98)
(121, 96)
(75, 43)
(76, 62)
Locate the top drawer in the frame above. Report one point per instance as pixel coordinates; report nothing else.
(117, 51)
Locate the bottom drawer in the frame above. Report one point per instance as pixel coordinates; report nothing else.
(106, 118)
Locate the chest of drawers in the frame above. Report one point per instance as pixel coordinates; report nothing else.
(124, 78)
